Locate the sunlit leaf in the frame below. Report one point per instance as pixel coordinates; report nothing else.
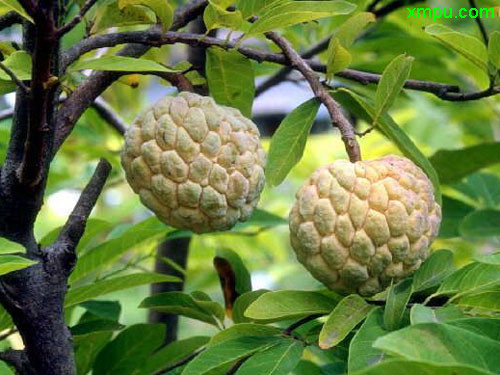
(162, 9)
(120, 64)
(112, 16)
(10, 263)
(16, 7)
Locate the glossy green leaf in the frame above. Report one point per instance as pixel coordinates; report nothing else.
(242, 303)
(111, 15)
(179, 303)
(494, 49)
(19, 63)
(218, 357)
(433, 270)
(107, 252)
(488, 300)
(453, 212)
(107, 310)
(230, 79)
(171, 354)
(244, 329)
(487, 327)
(106, 286)
(92, 326)
(16, 7)
(363, 108)
(397, 299)
(129, 350)
(468, 46)
(289, 304)
(87, 347)
(10, 263)
(481, 223)
(292, 13)
(424, 314)
(120, 64)
(470, 279)
(277, 360)
(453, 165)
(5, 369)
(162, 9)
(362, 354)
(349, 312)
(257, 7)
(391, 83)
(339, 57)
(216, 16)
(442, 344)
(289, 141)
(402, 366)
(9, 247)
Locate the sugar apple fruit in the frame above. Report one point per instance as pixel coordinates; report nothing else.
(356, 226)
(197, 165)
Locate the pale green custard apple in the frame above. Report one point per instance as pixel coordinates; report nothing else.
(197, 165)
(357, 226)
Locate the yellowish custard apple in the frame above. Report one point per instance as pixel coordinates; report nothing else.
(197, 165)
(357, 226)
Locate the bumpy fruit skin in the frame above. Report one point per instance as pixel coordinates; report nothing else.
(356, 226)
(197, 165)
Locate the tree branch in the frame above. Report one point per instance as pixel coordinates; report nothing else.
(75, 226)
(98, 82)
(9, 19)
(391, 7)
(338, 119)
(71, 24)
(13, 76)
(18, 360)
(109, 115)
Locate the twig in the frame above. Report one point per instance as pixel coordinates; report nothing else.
(480, 24)
(180, 362)
(391, 7)
(9, 19)
(71, 24)
(338, 119)
(12, 76)
(19, 360)
(109, 115)
(75, 226)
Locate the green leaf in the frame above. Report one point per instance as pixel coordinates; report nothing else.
(339, 57)
(489, 259)
(442, 344)
(453, 212)
(216, 16)
(219, 356)
(243, 281)
(362, 354)
(129, 350)
(277, 360)
(86, 349)
(257, 7)
(424, 314)
(289, 304)
(9, 247)
(20, 64)
(171, 354)
(289, 141)
(106, 286)
(488, 300)
(244, 329)
(95, 326)
(179, 303)
(402, 366)
(230, 79)
(242, 303)
(107, 252)
(397, 299)
(112, 16)
(16, 7)
(468, 46)
(261, 219)
(292, 13)
(108, 310)
(343, 319)
(4, 369)
(488, 327)
(480, 224)
(433, 270)
(10, 263)
(453, 165)
(391, 83)
(120, 64)
(494, 49)
(482, 188)
(471, 278)
(364, 109)
(162, 9)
